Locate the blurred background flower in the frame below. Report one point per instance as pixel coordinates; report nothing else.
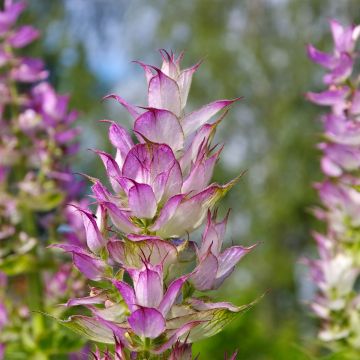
(251, 48)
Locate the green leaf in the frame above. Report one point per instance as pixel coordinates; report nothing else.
(90, 328)
(17, 264)
(43, 202)
(212, 320)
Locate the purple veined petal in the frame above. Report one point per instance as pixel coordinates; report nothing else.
(153, 249)
(169, 67)
(100, 191)
(227, 261)
(184, 82)
(133, 110)
(174, 182)
(126, 184)
(94, 239)
(200, 174)
(159, 186)
(184, 329)
(121, 139)
(191, 122)
(340, 72)
(162, 127)
(92, 267)
(148, 286)
(171, 294)
(212, 237)
(204, 275)
(127, 294)
(326, 60)
(147, 322)
(23, 36)
(145, 162)
(112, 169)
(142, 201)
(328, 97)
(195, 143)
(88, 300)
(117, 250)
(120, 218)
(137, 164)
(167, 212)
(190, 213)
(164, 93)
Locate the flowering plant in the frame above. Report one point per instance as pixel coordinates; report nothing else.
(36, 141)
(147, 276)
(337, 269)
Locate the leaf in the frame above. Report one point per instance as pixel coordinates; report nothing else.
(89, 327)
(212, 320)
(17, 264)
(43, 202)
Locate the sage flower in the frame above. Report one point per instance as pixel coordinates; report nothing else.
(138, 234)
(337, 269)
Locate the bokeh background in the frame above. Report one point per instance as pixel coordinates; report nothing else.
(251, 48)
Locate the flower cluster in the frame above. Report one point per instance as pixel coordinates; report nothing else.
(147, 275)
(36, 140)
(337, 269)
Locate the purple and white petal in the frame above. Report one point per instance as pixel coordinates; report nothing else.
(127, 294)
(120, 218)
(147, 322)
(142, 201)
(133, 110)
(171, 294)
(204, 275)
(164, 93)
(162, 127)
(191, 122)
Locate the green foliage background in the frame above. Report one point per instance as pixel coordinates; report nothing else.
(251, 48)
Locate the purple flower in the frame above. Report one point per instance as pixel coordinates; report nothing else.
(337, 269)
(161, 191)
(36, 142)
(214, 266)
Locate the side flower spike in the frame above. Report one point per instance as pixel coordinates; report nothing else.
(215, 266)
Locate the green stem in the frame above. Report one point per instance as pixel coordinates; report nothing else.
(35, 303)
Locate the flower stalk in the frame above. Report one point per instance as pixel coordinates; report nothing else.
(148, 273)
(337, 269)
(37, 140)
